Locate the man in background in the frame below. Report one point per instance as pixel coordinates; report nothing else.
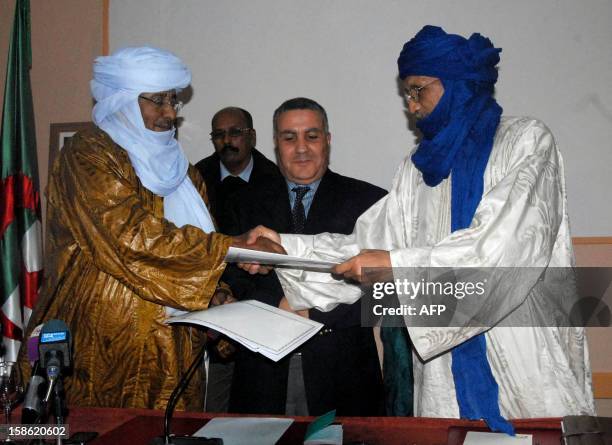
(338, 368)
(235, 161)
(234, 164)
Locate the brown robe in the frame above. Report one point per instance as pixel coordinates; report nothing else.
(112, 264)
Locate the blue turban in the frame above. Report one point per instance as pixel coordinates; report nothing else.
(458, 137)
(433, 52)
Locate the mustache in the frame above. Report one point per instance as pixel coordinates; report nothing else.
(168, 124)
(228, 148)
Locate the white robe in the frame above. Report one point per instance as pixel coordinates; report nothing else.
(521, 221)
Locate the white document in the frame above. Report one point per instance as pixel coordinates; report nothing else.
(260, 327)
(330, 435)
(481, 438)
(239, 255)
(245, 430)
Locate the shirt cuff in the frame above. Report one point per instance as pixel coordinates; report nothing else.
(296, 245)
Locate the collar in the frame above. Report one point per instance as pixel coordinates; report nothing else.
(313, 186)
(245, 174)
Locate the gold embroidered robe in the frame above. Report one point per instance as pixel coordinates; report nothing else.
(112, 264)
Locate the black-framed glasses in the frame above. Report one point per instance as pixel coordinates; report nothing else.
(412, 93)
(233, 133)
(161, 101)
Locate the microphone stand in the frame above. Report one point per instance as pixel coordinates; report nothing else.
(58, 405)
(170, 439)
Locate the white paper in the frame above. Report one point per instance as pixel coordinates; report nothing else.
(239, 255)
(481, 438)
(245, 430)
(330, 435)
(260, 327)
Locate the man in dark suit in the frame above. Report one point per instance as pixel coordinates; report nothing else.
(235, 161)
(339, 367)
(234, 164)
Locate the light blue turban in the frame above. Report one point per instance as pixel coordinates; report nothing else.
(157, 157)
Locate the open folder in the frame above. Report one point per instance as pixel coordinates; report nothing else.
(260, 327)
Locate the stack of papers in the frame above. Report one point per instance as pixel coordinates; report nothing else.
(260, 327)
(482, 438)
(239, 255)
(245, 430)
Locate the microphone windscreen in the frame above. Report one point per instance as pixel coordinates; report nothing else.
(55, 345)
(33, 344)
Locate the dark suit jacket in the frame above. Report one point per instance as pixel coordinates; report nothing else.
(264, 171)
(337, 204)
(341, 369)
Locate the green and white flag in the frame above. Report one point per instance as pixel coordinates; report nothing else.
(20, 222)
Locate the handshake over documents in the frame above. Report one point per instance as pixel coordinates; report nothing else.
(260, 249)
(249, 322)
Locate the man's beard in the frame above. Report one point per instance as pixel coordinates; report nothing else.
(418, 115)
(165, 124)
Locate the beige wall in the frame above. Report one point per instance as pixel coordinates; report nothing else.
(600, 339)
(66, 36)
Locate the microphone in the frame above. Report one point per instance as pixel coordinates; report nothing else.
(54, 346)
(32, 345)
(54, 349)
(32, 410)
(170, 439)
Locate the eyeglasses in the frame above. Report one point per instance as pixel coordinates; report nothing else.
(161, 101)
(412, 93)
(232, 133)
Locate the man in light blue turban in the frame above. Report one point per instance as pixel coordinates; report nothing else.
(480, 190)
(130, 240)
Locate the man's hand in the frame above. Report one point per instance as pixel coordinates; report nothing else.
(284, 305)
(221, 296)
(259, 238)
(262, 232)
(269, 241)
(352, 268)
(265, 245)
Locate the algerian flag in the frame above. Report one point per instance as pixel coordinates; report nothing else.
(20, 226)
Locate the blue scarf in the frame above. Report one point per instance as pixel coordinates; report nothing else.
(458, 137)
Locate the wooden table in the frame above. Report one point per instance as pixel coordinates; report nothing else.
(138, 426)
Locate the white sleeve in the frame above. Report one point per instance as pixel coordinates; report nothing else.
(323, 291)
(516, 224)
(320, 290)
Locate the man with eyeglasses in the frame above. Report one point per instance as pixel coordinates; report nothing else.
(130, 240)
(480, 191)
(338, 368)
(235, 162)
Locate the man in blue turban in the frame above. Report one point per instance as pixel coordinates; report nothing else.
(480, 190)
(130, 239)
